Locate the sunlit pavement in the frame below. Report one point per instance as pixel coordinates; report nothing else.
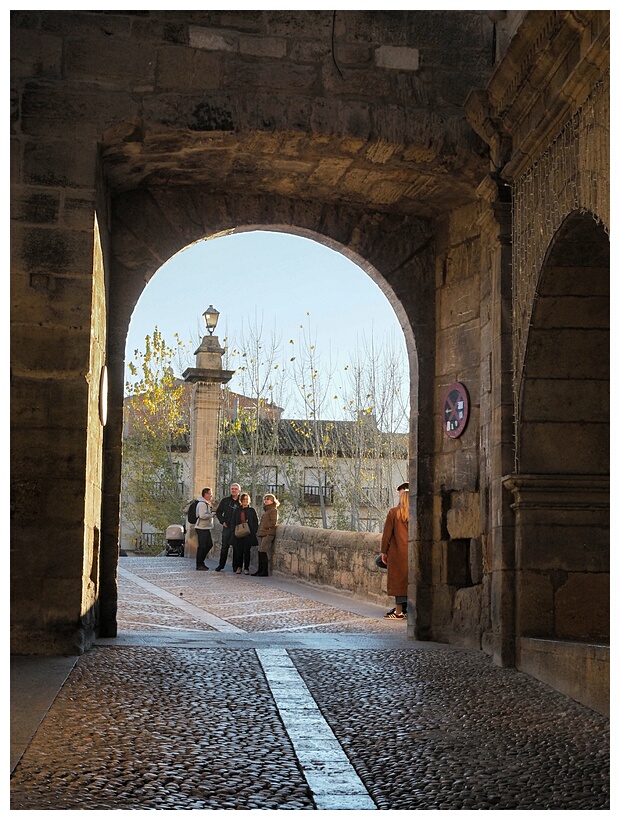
(226, 691)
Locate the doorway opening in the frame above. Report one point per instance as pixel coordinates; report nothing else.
(313, 344)
(562, 509)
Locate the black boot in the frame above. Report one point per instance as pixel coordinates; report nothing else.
(263, 565)
(259, 571)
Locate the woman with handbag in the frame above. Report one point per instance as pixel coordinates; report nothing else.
(243, 538)
(394, 553)
(266, 533)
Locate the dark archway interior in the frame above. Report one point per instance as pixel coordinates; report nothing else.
(563, 448)
(564, 409)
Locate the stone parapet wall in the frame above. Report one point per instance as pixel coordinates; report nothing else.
(331, 558)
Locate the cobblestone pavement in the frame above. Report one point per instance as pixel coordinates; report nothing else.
(239, 693)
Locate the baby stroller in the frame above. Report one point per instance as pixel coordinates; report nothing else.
(175, 538)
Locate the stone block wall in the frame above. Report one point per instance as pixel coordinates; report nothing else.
(348, 127)
(563, 581)
(460, 598)
(578, 670)
(332, 558)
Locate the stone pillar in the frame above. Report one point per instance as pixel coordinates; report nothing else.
(497, 426)
(562, 558)
(58, 343)
(496, 392)
(207, 379)
(205, 418)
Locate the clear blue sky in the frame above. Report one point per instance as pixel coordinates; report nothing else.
(272, 278)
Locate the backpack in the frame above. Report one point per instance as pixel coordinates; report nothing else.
(191, 512)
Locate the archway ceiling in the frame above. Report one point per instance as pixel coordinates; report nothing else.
(421, 180)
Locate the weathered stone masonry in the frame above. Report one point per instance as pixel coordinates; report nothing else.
(416, 143)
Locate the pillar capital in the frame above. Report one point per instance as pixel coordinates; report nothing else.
(208, 364)
(209, 353)
(553, 491)
(211, 375)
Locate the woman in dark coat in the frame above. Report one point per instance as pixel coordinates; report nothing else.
(394, 552)
(242, 546)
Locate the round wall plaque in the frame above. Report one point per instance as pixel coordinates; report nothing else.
(455, 410)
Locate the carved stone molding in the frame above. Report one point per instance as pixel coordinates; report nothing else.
(545, 115)
(531, 491)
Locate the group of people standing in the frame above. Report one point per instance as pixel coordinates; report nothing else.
(241, 530)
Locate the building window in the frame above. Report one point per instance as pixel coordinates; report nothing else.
(315, 486)
(268, 481)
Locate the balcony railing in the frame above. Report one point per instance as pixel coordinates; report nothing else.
(150, 542)
(311, 494)
(159, 489)
(276, 489)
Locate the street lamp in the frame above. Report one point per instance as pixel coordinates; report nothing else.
(211, 315)
(206, 379)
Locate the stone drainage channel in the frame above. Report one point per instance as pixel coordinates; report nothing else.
(234, 693)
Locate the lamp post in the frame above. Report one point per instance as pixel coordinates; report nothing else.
(211, 315)
(207, 378)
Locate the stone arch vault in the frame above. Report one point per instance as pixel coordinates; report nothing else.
(165, 223)
(401, 136)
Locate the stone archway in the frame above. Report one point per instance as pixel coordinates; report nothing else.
(167, 127)
(564, 421)
(147, 227)
(561, 489)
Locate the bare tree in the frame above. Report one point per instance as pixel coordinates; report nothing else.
(244, 440)
(359, 457)
(376, 403)
(343, 468)
(312, 381)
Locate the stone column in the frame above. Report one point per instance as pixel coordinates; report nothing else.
(58, 343)
(497, 426)
(207, 378)
(562, 557)
(496, 383)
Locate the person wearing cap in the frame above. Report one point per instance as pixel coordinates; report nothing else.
(394, 552)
